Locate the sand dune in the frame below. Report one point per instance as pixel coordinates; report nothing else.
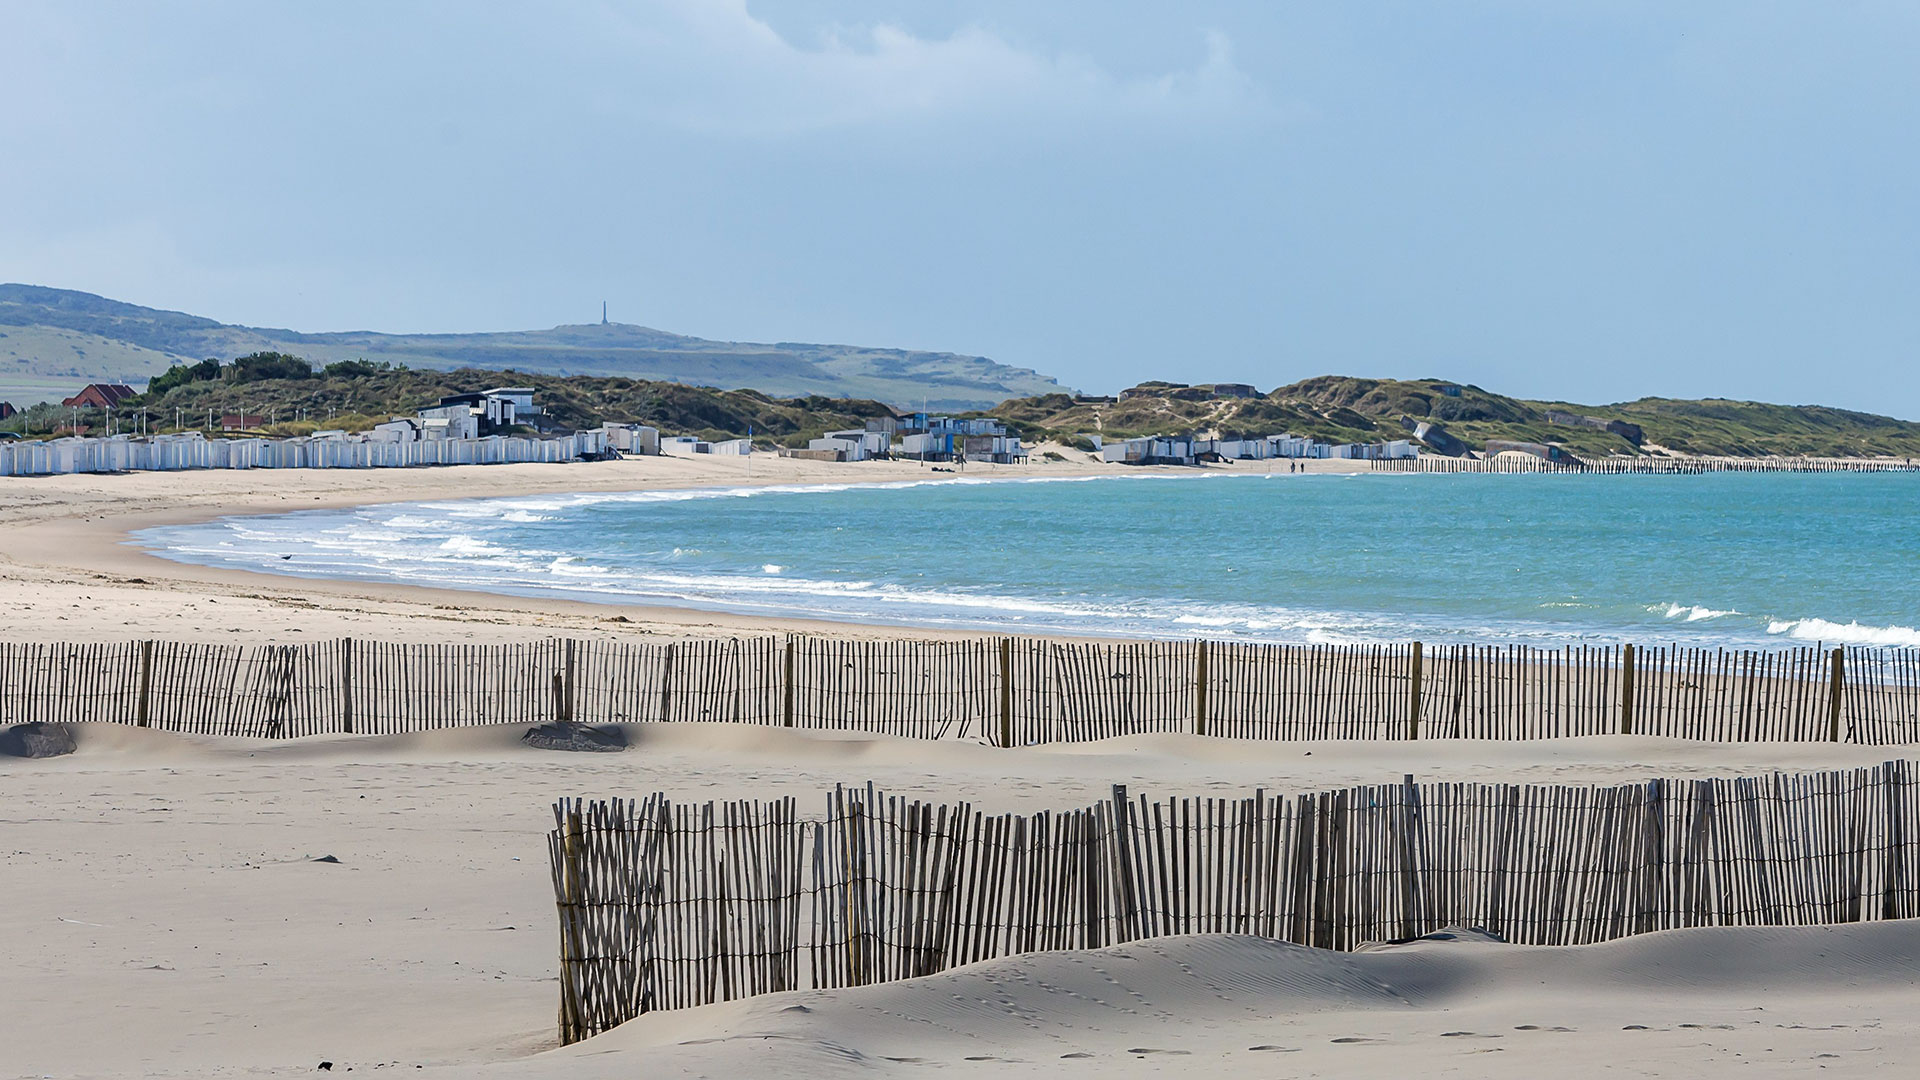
(1683, 1003)
(160, 889)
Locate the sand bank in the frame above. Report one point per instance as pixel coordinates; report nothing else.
(67, 573)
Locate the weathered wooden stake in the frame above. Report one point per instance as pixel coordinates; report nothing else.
(573, 1021)
(1413, 707)
(1626, 690)
(143, 715)
(1836, 694)
(787, 711)
(570, 700)
(1006, 691)
(1200, 692)
(666, 685)
(346, 685)
(1128, 913)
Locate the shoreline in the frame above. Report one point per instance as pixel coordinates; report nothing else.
(69, 571)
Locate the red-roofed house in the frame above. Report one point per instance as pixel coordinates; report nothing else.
(99, 396)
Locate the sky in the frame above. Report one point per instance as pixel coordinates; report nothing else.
(1587, 200)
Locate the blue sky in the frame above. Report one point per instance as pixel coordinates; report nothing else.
(1588, 199)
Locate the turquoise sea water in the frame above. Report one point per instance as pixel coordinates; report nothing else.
(1731, 559)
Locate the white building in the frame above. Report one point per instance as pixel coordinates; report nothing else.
(455, 421)
(633, 438)
(398, 430)
(684, 445)
(853, 444)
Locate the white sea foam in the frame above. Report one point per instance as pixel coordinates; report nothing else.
(470, 545)
(1851, 633)
(771, 568)
(1695, 613)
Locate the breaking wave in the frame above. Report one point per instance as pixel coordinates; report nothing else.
(1851, 633)
(1695, 613)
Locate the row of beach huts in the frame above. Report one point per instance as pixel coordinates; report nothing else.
(322, 450)
(473, 428)
(1193, 449)
(915, 437)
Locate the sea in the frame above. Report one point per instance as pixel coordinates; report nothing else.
(1738, 560)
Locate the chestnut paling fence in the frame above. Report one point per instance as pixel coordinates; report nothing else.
(665, 904)
(1003, 691)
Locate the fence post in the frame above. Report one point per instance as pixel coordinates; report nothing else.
(143, 710)
(346, 685)
(1413, 707)
(1626, 690)
(666, 684)
(571, 700)
(573, 1019)
(787, 708)
(1836, 694)
(1200, 691)
(1412, 916)
(1006, 691)
(1129, 914)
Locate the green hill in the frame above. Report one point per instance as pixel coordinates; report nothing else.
(1339, 408)
(58, 339)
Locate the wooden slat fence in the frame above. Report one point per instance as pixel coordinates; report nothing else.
(1610, 466)
(666, 905)
(1063, 691)
(738, 680)
(1294, 692)
(918, 689)
(1003, 691)
(1881, 695)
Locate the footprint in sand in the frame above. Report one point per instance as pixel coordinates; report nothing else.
(1354, 1039)
(1281, 1049)
(1077, 1054)
(1154, 1050)
(1468, 1035)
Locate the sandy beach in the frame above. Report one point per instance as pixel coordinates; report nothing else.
(166, 886)
(67, 572)
(185, 906)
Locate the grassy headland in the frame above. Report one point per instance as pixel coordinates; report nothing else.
(1338, 408)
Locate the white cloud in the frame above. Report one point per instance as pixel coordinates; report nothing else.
(710, 65)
